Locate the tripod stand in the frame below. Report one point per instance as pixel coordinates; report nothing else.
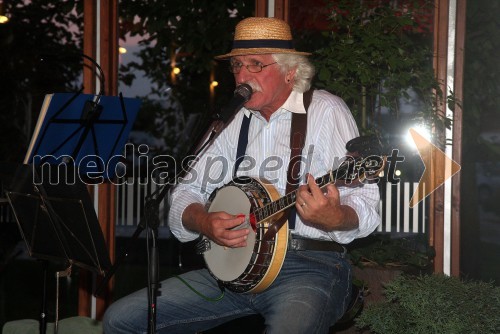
(57, 221)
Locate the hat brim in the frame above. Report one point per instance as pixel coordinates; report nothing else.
(260, 51)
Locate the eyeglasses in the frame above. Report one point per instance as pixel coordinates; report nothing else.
(253, 68)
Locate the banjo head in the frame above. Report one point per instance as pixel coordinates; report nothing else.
(228, 264)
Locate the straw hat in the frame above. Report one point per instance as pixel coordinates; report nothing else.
(262, 35)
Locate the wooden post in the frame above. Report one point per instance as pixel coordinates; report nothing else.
(261, 8)
(457, 133)
(281, 9)
(108, 60)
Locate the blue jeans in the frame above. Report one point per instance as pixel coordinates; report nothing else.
(309, 295)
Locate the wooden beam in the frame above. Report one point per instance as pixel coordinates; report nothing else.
(109, 44)
(261, 8)
(436, 219)
(108, 59)
(441, 31)
(107, 191)
(89, 85)
(89, 45)
(281, 9)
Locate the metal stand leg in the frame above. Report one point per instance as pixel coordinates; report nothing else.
(43, 311)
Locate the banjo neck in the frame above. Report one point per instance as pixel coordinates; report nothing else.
(352, 172)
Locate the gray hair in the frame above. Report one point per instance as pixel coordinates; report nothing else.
(305, 69)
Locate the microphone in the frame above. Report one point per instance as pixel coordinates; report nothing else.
(242, 94)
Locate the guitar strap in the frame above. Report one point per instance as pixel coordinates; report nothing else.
(298, 135)
(298, 132)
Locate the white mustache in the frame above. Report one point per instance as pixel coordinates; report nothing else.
(255, 86)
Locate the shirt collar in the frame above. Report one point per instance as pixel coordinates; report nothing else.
(294, 103)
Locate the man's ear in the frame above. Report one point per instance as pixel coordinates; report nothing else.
(290, 75)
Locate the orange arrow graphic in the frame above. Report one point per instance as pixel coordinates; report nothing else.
(438, 168)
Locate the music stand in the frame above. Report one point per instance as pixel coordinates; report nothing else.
(56, 220)
(81, 135)
(84, 130)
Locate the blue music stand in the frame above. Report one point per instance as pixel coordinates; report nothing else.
(82, 136)
(83, 130)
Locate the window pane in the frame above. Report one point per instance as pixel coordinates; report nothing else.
(480, 214)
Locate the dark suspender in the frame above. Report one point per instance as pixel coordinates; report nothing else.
(298, 132)
(242, 142)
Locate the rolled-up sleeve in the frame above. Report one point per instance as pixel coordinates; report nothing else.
(334, 127)
(210, 171)
(365, 202)
(179, 201)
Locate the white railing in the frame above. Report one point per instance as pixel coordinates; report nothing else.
(131, 197)
(397, 216)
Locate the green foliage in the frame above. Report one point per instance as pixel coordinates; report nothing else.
(194, 31)
(35, 28)
(434, 304)
(190, 33)
(375, 52)
(409, 254)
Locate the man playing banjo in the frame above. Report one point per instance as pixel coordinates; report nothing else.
(309, 289)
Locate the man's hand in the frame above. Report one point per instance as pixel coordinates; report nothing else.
(217, 226)
(321, 208)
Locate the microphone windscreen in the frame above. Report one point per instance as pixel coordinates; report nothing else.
(242, 94)
(244, 90)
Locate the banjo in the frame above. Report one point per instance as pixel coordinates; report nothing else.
(254, 267)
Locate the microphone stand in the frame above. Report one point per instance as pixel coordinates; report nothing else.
(152, 202)
(151, 222)
(153, 261)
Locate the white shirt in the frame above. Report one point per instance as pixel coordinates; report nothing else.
(330, 126)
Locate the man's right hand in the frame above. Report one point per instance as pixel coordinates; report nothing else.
(217, 226)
